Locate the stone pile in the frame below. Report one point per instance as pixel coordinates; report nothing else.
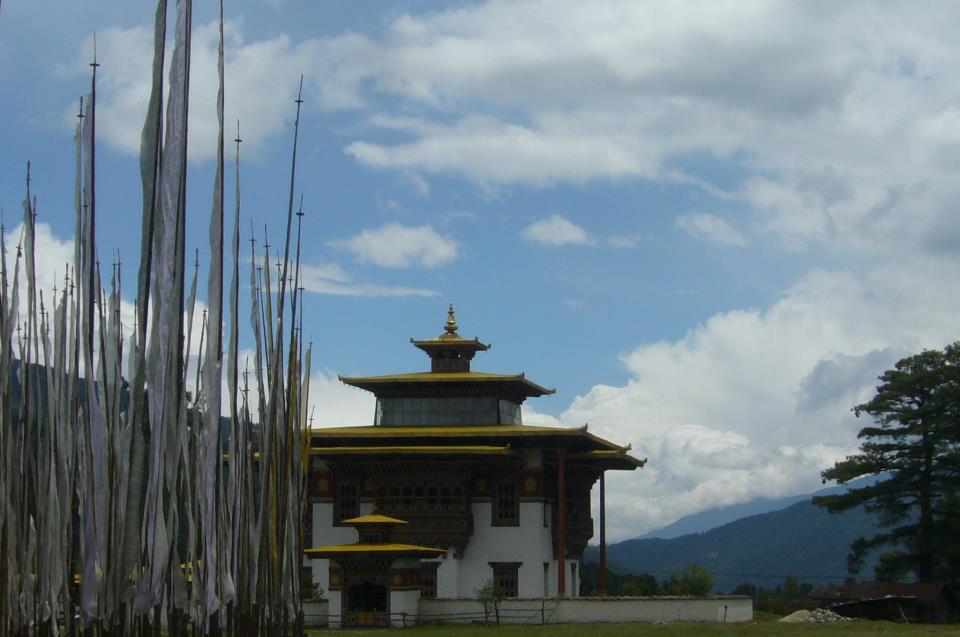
(816, 616)
(825, 616)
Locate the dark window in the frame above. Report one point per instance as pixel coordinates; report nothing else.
(428, 579)
(308, 526)
(510, 413)
(506, 505)
(505, 577)
(468, 410)
(346, 502)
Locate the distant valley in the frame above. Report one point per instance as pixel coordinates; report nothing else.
(795, 538)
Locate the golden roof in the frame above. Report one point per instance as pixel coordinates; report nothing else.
(412, 450)
(370, 440)
(373, 518)
(517, 381)
(384, 549)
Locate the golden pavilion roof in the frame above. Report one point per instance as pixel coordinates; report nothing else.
(369, 522)
(377, 549)
(468, 440)
(372, 518)
(514, 382)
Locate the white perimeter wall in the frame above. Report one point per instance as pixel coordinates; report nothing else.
(316, 612)
(529, 543)
(404, 602)
(590, 610)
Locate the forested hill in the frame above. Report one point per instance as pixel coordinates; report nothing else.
(800, 540)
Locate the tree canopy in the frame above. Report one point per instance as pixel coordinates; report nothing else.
(913, 447)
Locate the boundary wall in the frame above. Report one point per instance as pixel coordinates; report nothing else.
(578, 610)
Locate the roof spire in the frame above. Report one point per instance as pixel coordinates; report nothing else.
(451, 325)
(450, 352)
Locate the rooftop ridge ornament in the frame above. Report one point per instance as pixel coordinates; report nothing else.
(451, 326)
(450, 352)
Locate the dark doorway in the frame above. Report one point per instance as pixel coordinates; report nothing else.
(367, 604)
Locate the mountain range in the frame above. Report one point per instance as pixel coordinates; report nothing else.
(796, 539)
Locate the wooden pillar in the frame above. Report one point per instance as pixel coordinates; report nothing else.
(561, 524)
(603, 536)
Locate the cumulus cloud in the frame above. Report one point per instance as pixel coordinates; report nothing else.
(556, 231)
(52, 257)
(839, 128)
(333, 404)
(260, 84)
(844, 125)
(489, 150)
(711, 228)
(624, 241)
(397, 246)
(330, 278)
(757, 402)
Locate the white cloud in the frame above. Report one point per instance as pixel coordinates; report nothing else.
(624, 241)
(556, 231)
(260, 85)
(421, 185)
(330, 278)
(756, 402)
(52, 257)
(844, 125)
(492, 151)
(334, 404)
(844, 132)
(397, 246)
(712, 228)
(466, 215)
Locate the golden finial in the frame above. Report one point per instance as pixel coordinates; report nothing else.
(451, 326)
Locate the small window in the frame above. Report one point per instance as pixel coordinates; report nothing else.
(506, 504)
(428, 579)
(346, 503)
(505, 577)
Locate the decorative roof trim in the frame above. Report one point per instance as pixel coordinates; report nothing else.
(444, 377)
(413, 450)
(399, 550)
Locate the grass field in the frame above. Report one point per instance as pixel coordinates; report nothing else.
(763, 627)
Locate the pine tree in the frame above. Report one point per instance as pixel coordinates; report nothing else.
(914, 450)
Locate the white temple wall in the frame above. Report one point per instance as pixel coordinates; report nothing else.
(404, 602)
(529, 543)
(325, 534)
(448, 575)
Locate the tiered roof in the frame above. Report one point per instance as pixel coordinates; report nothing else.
(450, 374)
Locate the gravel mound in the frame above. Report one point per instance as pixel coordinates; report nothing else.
(816, 616)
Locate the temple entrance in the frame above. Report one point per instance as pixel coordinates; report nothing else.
(366, 604)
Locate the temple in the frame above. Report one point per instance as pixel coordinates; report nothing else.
(462, 493)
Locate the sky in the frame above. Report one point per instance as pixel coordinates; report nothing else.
(709, 225)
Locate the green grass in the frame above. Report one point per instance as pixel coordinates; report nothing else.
(765, 626)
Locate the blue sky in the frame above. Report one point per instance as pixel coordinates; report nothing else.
(709, 225)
